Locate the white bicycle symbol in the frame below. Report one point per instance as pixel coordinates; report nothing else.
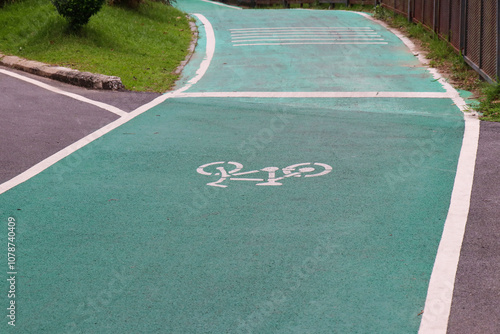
(232, 172)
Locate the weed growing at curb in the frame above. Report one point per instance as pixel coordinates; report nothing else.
(489, 103)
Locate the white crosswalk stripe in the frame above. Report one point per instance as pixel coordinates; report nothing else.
(305, 35)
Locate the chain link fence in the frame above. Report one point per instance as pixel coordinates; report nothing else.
(470, 26)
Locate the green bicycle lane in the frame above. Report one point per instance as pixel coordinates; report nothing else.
(248, 58)
(126, 235)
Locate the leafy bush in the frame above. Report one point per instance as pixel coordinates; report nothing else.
(380, 13)
(126, 3)
(4, 2)
(77, 12)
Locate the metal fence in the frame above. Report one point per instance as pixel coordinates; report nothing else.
(470, 26)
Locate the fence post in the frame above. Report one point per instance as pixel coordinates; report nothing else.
(412, 10)
(409, 11)
(435, 18)
(481, 33)
(448, 28)
(423, 12)
(463, 27)
(498, 42)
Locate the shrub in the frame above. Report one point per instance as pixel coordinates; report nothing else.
(77, 12)
(4, 2)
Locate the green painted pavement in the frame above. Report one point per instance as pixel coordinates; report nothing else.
(387, 67)
(124, 236)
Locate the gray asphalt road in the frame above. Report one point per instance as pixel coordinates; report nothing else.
(37, 123)
(476, 298)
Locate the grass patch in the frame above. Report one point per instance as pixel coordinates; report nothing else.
(489, 103)
(142, 46)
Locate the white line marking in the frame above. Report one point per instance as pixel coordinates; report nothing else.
(440, 291)
(80, 98)
(310, 28)
(442, 281)
(324, 31)
(302, 31)
(46, 163)
(305, 31)
(210, 50)
(415, 95)
(202, 167)
(221, 4)
(367, 34)
(246, 173)
(313, 43)
(245, 179)
(308, 39)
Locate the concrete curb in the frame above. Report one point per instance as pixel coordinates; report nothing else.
(192, 46)
(64, 74)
